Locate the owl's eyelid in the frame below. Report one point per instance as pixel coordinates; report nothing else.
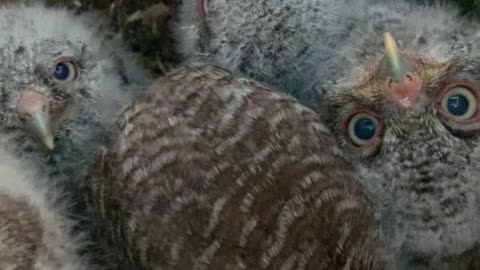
(65, 58)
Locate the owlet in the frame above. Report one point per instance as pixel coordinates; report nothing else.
(207, 170)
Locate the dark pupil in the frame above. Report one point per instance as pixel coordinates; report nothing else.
(457, 105)
(365, 129)
(61, 72)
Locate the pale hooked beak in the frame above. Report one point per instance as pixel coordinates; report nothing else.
(398, 66)
(33, 107)
(39, 123)
(402, 83)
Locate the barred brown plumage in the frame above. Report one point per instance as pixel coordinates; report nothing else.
(210, 171)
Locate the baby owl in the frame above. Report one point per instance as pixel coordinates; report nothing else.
(397, 82)
(62, 80)
(210, 171)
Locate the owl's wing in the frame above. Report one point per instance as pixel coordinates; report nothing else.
(211, 171)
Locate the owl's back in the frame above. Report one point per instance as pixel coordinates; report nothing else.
(209, 171)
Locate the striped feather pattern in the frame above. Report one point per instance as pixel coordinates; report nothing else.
(210, 171)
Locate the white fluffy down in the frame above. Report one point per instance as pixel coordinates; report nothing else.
(21, 181)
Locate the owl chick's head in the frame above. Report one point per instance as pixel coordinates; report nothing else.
(59, 75)
(412, 128)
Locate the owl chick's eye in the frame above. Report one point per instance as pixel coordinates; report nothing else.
(458, 103)
(65, 70)
(362, 129)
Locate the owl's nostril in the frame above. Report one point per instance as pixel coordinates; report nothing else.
(33, 107)
(403, 93)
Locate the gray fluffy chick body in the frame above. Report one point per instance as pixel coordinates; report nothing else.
(422, 165)
(62, 81)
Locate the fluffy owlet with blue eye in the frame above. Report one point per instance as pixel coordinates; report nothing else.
(62, 81)
(404, 105)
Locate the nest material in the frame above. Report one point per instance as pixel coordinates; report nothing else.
(143, 24)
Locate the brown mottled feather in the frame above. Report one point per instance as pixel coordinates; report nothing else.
(20, 234)
(210, 171)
